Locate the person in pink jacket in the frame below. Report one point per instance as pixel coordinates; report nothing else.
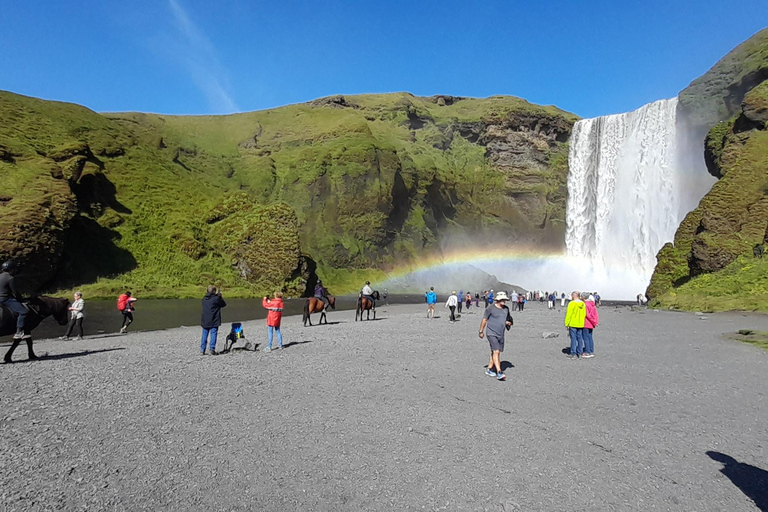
(589, 325)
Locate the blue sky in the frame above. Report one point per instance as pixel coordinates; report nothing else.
(203, 57)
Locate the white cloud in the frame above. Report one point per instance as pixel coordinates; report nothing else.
(198, 56)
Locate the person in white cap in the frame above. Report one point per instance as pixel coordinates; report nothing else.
(496, 320)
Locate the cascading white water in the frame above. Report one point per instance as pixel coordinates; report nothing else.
(629, 186)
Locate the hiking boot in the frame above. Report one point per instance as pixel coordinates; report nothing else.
(587, 356)
(490, 372)
(26, 336)
(123, 330)
(19, 335)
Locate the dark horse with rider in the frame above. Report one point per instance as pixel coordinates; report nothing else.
(319, 303)
(19, 317)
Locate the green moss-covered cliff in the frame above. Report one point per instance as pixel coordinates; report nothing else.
(711, 264)
(344, 187)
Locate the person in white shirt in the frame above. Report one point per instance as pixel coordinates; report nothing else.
(452, 302)
(367, 292)
(76, 317)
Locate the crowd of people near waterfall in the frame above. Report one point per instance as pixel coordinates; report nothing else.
(581, 314)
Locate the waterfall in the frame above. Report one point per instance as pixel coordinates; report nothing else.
(629, 187)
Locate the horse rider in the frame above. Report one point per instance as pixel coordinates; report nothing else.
(367, 292)
(321, 293)
(11, 298)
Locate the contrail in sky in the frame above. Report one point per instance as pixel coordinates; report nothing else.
(198, 55)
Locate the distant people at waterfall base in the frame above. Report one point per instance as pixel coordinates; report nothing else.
(562, 300)
(590, 323)
(521, 302)
(210, 320)
(575, 317)
(451, 303)
(513, 301)
(496, 321)
(75, 317)
(431, 298)
(551, 300)
(490, 298)
(641, 299)
(597, 299)
(460, 299)
(469, 300)
(477, 300)
(274, 319)
(125, 304)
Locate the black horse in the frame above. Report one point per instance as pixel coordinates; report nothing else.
(39, 308)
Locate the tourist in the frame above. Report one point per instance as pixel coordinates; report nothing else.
(590, 322)
(321, 293)
(451, 303)
(477, 299)
(274, 319)
(551, 300)
(211, 319)
(460, 301)
(521, 302)
(513, 299)
(597, 299)
(490, 298)
(562, 300)
(11, 298)
(76, 317)
(469, 300)
(126, 307)
(367, 292)
(431, 298)
(496, 320)
(574, 322)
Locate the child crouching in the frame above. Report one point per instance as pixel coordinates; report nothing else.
(275, 315)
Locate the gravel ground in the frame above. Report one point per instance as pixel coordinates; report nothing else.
(394, 414)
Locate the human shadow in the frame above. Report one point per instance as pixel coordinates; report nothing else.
(505, 365)
(751, 480)
(70, 355)
(293, 343)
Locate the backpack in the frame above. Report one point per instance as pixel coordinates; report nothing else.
(509, 319)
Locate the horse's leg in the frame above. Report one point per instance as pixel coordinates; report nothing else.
(30, 352)
(9, 355)
(323, 317)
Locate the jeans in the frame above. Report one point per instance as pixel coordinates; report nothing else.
(577, 340)
(453, 313)
(461, 303)
(16, 307)
(75, 322)
(589, 342)
(214, 332)
(270, 332)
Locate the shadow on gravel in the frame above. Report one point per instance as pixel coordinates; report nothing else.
(751, 480)
(505, 365)
(291, 344)
(78, 354)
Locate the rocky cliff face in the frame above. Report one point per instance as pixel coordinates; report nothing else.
(256, 201)
(733, 217)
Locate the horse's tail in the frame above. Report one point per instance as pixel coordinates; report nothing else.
(306, 310)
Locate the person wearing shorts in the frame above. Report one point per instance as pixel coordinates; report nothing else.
(431, 298)
(494, 324)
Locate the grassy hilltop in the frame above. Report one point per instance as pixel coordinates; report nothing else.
(342, 187)
(710, 266)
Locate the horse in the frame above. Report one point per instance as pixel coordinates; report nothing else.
(364, 304)
(315, 305)
(39, 308)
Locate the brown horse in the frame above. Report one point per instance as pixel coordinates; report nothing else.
(365, 304)
(39, 308)
(315, 305)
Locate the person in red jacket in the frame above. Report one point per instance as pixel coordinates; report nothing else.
(125, 306)
(275, 315)
(590, 322)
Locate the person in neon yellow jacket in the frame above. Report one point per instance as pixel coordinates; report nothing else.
(575, 316)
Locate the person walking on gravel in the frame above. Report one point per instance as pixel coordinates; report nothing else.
(451, 303)
(274, 319)
(431, 297)
(211, 319)
(76, 317)
(590, 322)
(496, 321)
(575, 317)
(460, 299)
(125, 306)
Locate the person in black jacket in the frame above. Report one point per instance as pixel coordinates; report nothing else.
(211, 318)
(11, 299)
